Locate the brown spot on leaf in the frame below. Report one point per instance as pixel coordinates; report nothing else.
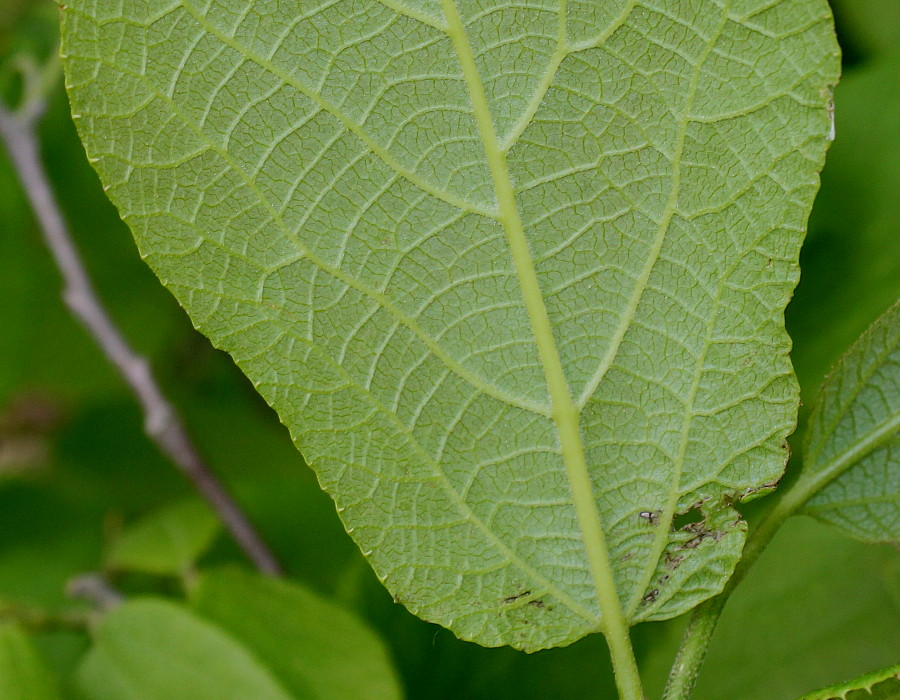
(514, 598)
(673, 561)
(651, 596)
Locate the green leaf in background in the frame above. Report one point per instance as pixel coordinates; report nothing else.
(23, 675)
(878, 685)
(853, 442)
(156, 650)
(316, 648)
(875, 23)
(818, 608)
(517, 320)
(166, 542)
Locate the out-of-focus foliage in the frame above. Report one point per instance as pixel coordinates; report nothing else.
(156, 650)
(23, 675)
(75, 465)
(12, 13)
(246, 637)
(816, 609)
(873, 25)
(167, 542)
(315, 648)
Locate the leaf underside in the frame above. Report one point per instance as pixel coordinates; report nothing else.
(413, 223)
(855, 434)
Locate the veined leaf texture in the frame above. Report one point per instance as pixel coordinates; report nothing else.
(512, 273)
(853, 443)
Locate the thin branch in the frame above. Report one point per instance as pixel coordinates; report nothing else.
(96, 590)
(36, 620)
(161, 421)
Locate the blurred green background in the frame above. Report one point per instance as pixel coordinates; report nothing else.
(75, 464)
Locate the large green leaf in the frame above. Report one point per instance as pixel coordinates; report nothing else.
(316, 648)
(156, 650)
(853, 443)
(513, 274)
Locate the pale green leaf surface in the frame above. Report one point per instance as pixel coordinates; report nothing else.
(854, 437)
(878, 685)
(512, 274)
(23, 675)
(156, 650)
(166, 542)
(316, 648)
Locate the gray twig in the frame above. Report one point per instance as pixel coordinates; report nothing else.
(94, 589)
(161, 421)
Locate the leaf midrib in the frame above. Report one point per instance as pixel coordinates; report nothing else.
(565, 413)
(547, 586)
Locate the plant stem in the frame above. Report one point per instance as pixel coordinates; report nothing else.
(96, 590)
(35, 620)
(161, 421)
(705, 617)
(628, 679)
